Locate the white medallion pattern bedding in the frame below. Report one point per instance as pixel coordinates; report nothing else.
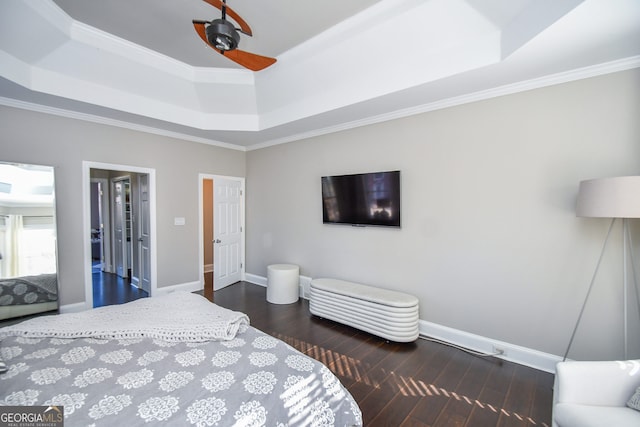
(249, 379)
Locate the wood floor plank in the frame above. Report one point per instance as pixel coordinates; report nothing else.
(411, 388)
(423, 384)
(435, 397)
(398, 388)
(490, 402)
(466, 392)
(543, 398)
(519, 398)
(450, 381)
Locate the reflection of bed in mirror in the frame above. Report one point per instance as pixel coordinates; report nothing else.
(23, 296)
(28, 265)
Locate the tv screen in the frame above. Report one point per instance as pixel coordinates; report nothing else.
(362, 199)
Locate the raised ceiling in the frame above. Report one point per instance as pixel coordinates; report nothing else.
(340, 64)
(164, 26)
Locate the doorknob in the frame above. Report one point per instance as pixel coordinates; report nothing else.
(217, 241)
(140, 239)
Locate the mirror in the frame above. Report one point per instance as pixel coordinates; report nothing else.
(28, 263)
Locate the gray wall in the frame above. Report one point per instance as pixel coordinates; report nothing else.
(489, 241)
(64, 143)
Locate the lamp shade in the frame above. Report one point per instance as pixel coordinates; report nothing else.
(617, 197)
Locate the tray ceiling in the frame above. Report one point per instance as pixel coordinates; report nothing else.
(340, 64)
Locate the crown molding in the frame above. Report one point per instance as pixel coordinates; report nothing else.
(553, 79)
(38, 108)
(86, 34)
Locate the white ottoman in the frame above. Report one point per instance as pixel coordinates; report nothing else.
(282, 283)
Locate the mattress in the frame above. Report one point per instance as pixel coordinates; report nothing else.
(250, 378)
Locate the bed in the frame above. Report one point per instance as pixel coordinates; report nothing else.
(22, 296)
(170, 360)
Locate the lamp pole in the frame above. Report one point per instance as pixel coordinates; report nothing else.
(617, 197)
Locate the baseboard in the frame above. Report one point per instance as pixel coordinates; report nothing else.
(255, 279)
(184, 287)
(303, 286)
(73, 308)
(512, 352)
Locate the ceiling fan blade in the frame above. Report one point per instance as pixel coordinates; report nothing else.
(248, 60)
(244, 27)
(200, 29)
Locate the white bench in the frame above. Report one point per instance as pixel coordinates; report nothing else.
(382, 312)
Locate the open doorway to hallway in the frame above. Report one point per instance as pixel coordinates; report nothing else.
(120, 225)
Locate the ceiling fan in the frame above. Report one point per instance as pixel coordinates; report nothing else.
(222, 35)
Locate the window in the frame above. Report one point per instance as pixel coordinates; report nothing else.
(34, 248)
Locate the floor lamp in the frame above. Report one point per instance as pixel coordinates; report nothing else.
(613, 198)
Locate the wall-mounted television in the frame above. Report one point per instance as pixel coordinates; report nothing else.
(362, 199)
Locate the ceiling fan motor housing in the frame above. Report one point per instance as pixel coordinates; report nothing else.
(223, 35)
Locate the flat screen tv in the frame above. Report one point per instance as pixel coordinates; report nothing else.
(362, 199)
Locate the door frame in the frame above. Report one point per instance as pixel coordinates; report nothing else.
(86, 220)
(127, 246)
(138, 248)
(201, 178)
(106, 223)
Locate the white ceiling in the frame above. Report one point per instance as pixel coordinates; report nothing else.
(340, 64)
(25, 185)
(165, 26)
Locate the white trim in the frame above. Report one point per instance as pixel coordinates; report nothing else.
(303, 286)
(103, 40)
(181, 287)
(113, 212)
(512, 352)
(86, 222)
(550, 80)
(201, 266)
(553, 79)
(106, 223)
(38, 108)
(255, 279)
(305, 283)
(73, 308)
(99, 39)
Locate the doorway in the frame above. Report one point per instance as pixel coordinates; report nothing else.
(119, 216)
(221, 231)
(100, 234)
(121, 206)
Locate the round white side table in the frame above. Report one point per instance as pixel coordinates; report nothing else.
(283, 281)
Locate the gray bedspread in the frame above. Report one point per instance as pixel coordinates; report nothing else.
(251, 380)
(29, 289)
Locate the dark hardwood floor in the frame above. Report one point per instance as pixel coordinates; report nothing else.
(415, 384)
(110, 289)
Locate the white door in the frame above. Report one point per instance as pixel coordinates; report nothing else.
(145, 235)
(227, 232)
(119, 228)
